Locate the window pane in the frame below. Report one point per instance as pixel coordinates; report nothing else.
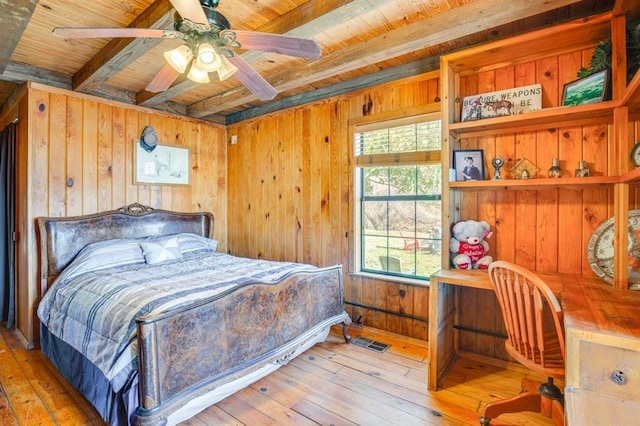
(429, 180)
(376, 181)
(375, 218)
(402, 180)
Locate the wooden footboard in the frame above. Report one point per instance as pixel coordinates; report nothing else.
(188, 352)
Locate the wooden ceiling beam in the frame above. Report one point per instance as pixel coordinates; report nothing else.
(17, 14)
(469, 19)
(410, 69)
(21, 73)
(120, 52)
(304, 21)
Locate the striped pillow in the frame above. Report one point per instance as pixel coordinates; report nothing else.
(161, 250)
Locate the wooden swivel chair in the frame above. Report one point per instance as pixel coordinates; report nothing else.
(534, 323)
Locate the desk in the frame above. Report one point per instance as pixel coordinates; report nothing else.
(603, 354)
(602, 333)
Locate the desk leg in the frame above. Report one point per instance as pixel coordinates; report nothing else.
(432, 366)
(442, 347)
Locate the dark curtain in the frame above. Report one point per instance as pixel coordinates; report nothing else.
(7, 224)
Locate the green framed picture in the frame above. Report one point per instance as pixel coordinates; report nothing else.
(587, 90)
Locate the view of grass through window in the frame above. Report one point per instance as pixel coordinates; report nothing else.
(400, 205)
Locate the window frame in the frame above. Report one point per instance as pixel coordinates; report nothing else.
(376, 122)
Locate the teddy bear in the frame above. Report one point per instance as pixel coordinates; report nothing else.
(468, 246)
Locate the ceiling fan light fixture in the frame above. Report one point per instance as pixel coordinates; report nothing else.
(179, 58)
(207, 58)
(197, 74)
(227, 69)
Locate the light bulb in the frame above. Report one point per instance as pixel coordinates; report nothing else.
(179, 58)
(207, 58)
(227, 69)
(197, 74)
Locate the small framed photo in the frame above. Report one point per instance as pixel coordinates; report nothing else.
(469, 164)
(587, 90)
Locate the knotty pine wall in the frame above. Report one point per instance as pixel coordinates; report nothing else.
(78, 159)
(290, 194)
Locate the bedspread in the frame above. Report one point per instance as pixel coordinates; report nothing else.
(93, 308)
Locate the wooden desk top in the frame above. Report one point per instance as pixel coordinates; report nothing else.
(589, 304)
(480, 279)
(593, 306)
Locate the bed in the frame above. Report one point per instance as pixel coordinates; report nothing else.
(152, 324)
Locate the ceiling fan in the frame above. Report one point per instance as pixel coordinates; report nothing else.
(208, 47)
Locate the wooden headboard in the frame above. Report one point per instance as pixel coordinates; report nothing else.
(61, 238)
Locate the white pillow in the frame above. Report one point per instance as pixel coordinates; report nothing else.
(161, 250)
(192, 242)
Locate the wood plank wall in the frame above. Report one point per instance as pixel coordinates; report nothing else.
(78, 157)
(290, 194)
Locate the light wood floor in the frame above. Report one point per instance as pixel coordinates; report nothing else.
(331, 384)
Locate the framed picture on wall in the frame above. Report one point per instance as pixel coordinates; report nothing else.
(469, 164)
(587, 90)
(164, 165)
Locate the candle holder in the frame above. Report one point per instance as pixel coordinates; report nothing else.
(582, 170)
(555, 171)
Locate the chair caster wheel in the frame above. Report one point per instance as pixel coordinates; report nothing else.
(484, 421)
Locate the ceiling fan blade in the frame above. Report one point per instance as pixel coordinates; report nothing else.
(163, 80)
(286, 45)
(95, 32)
(254, 81)
(191, 10)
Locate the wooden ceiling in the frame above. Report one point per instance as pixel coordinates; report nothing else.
(363, 43)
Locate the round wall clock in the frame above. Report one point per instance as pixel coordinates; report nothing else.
(600, 249)
(635, 155)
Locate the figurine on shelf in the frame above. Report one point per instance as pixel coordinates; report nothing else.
(555, 171)
(582, 170)
(497, 163)
(525, 169)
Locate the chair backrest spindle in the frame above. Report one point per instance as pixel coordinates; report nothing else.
(532, 316)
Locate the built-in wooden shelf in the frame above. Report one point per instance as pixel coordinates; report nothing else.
(632, 176)
(541, 183)
(549, 118)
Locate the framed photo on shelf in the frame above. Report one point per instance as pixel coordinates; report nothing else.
(164, 165)
(587, 90)
(468, 164)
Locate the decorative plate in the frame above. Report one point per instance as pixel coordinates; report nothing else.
(635, 155)
(600, 249)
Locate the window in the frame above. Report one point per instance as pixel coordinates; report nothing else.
(398, 184)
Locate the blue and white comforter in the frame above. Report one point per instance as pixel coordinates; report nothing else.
(93, 304)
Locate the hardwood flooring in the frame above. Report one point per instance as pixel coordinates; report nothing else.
(331, 384)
